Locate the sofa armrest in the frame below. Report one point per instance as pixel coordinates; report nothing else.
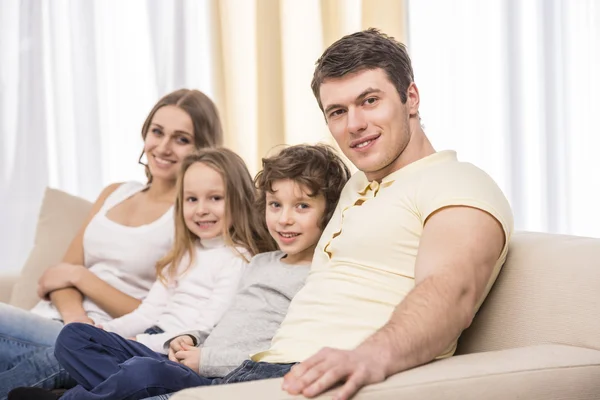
(7, 281)
(548, 372)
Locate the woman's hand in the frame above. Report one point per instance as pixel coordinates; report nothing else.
(84, 319)
(61, 276)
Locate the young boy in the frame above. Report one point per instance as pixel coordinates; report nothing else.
(299, 189)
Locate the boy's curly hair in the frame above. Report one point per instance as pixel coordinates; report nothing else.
(318, 168)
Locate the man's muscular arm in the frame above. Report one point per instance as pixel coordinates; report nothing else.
(457, 254)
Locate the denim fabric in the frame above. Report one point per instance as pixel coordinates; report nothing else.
(248, 371)
(254, 371)
(108, 366)
(21, 332)
(37, 369)
(26, 353)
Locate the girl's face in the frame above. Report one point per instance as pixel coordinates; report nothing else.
(204, 201)
(170, 138)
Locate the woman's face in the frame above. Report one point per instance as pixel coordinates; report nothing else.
(170, 138)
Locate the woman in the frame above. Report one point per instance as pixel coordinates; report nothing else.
(110, 264)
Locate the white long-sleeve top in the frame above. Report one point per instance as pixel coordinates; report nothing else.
(197, 298)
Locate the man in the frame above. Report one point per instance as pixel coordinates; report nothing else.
(412, 249)
(414, 246)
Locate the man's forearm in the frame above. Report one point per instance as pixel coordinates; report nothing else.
(429, 319)
(69, 302)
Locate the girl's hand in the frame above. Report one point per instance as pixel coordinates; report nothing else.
(58, 277)
(177, 345)
(189, 356)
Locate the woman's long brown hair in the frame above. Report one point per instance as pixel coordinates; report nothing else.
(244, 225)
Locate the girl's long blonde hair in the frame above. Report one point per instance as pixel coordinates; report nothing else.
(244, 225)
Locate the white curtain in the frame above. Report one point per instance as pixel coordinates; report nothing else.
(77, 79)
(514, 87)
(511, 85)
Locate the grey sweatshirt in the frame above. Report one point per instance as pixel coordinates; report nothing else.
(247, 327)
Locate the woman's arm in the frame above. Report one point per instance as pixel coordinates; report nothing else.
(111, 300)
(69, 304)
(68, 276)
(68, 301)
(144, 316)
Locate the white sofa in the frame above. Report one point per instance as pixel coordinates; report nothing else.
(536, 337)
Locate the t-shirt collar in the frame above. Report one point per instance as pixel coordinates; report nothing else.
(366, 185)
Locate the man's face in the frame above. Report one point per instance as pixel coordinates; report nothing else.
(367, 119)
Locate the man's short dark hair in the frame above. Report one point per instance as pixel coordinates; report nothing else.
(365, 50)
(318, 168)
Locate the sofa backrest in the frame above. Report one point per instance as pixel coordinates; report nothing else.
(61, 216)
(547, 292)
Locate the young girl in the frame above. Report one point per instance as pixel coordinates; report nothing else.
(110, 265)
(217, 231)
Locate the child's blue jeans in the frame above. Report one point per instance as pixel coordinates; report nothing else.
(108, 366)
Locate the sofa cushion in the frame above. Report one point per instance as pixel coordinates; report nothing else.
(61, 216)
(547, 292)
(545, 372)
(7, 282)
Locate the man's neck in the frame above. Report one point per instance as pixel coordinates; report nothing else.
(417, 148)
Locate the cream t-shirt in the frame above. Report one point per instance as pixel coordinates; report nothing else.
(364, 263)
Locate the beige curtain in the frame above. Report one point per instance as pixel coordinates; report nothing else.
(263, 59)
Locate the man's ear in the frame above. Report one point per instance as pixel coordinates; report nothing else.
(413, 99)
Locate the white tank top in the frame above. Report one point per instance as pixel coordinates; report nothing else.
(124, 257)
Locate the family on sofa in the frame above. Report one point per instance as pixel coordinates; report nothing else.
(201, 276)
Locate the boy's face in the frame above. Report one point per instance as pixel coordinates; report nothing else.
(293, 219)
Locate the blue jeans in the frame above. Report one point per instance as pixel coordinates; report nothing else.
(108, 366)
(248, 371)
(26, 354)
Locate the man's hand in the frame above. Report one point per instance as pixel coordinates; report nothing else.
(189, 356)
(58, 277)
(328, 367)
(176, 345)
